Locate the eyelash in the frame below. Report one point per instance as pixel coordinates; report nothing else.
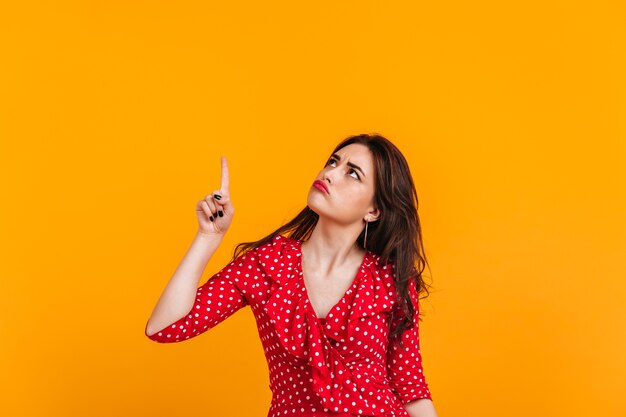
(351, 169)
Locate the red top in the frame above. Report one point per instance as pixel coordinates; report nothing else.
(341, 365)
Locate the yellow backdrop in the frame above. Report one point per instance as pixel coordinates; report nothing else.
(113, 118)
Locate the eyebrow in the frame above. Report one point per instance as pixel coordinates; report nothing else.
(350, 164)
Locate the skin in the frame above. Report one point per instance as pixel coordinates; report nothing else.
(331, 257)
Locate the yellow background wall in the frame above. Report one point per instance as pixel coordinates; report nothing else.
(113, 118)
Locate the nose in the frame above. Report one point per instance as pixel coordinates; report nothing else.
(326, 177)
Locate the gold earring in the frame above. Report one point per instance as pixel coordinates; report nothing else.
(365, 240)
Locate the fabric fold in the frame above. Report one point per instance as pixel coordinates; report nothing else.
(341, 386)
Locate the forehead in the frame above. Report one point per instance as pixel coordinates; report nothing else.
(356, 153)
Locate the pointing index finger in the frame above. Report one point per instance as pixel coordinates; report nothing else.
(225, 177)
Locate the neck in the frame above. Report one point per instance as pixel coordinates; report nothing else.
(331, 245)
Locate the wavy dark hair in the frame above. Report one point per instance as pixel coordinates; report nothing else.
(396, 198)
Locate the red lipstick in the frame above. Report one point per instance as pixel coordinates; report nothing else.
(321, 186)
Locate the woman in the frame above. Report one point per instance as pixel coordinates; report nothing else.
(335, 301)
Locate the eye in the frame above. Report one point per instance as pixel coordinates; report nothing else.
(358, 178)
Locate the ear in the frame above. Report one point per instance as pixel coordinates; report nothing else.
(373, 215)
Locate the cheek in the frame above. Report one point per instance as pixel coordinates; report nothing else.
(359, 194)
(355, 199)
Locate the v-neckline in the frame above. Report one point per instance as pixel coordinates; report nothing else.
(322, 320)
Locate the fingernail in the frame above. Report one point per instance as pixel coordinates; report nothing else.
(220, 213)
(211, 218)
(219, 197)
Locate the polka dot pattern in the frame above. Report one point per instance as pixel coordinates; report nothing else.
(404, 363)
(340, 365)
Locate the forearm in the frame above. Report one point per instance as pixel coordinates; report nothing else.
(179, 294)
(422, 407)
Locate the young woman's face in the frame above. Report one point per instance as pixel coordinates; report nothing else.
(350, 193)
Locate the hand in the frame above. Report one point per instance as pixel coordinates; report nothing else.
(208, 210)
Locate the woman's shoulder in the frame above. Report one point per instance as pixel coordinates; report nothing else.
(269, 261)
(279, 241)
(273, 249)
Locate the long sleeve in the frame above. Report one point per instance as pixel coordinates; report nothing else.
(217, 299)
(404, 364)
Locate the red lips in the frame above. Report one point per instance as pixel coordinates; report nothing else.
(321, 185)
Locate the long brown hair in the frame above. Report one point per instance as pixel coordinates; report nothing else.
(396, 235)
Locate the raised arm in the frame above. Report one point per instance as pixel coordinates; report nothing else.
(215, 213)
(182, 292)
(217, 299)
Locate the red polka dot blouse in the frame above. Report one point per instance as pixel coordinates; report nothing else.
(340, 365)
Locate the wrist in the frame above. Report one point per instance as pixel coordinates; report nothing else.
(209, 236)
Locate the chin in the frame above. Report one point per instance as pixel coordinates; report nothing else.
(315, 207)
